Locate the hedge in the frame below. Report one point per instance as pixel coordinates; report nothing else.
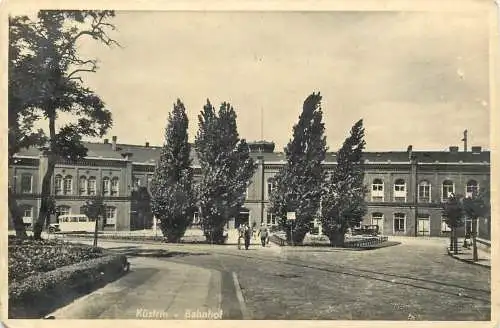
(40, 294)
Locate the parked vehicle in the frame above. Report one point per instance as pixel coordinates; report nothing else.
(54, 227)
(76, 223)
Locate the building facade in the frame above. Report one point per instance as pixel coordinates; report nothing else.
(406, 188)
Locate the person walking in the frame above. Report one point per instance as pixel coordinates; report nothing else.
(248, 236)
(241, 234)
(263, 233)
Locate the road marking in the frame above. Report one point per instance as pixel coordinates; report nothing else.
(239, 296)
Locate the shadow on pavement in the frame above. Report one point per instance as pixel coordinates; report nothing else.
(156, 253)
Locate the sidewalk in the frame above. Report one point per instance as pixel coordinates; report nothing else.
(152, 290)
(466, 255)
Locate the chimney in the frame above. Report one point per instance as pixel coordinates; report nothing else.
(113, 146)
(410, 152)
(465, 140)
(476, 149)
(453, 149)
(147, 144)
(106, 141)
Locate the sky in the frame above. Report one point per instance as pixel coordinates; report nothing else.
(418, 78)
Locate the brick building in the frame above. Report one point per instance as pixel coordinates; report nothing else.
(407, 188)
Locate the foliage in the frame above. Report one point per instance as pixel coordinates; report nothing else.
(298, 184)
(95, 208)
(478, 205)
(29, 257)
(41, 293)
(343, 204)
(172, 192)
(46, 81)
(226, 168)
(453, 211)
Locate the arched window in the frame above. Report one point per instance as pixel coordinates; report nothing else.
(400, 190)
(471, 188)
(26, 183)
(447, 190)
(110, 215)
(83, 185)
(114, 186)
(378, 220)
(377, 190)
(424, 192)
(58, 185)
(68, 185)
(106, 186)
(92, 185)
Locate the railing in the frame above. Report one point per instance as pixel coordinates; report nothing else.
(277, 240)
(365, 242)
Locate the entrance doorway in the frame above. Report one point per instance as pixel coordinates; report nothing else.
(423, 225)
(242, 218)
(378, 220)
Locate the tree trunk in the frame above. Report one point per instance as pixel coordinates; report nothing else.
(455, 244)
(474, 245)
(46, 185)
(16, 216)
(337, 239)
(96, 229)
(451, 239)
(43, 213)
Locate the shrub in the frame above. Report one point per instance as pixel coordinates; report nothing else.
(28, 257)
(38, 294)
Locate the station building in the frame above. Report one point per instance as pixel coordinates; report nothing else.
(406, 188)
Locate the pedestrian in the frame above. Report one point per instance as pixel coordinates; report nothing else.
(248, 236)
(241, 234)
(263, 234)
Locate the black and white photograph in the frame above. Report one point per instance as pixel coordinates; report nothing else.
(301, 163)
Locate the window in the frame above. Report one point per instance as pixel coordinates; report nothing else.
(63, 210)
(399, 222)
(471, 188)
(58, 185)
(68, 185)
(271, 219)
(424, 192)
(106, 186)
(447, 191)
(150, 178)
(26, 183)
(110, 215)
(92, 185)
(28, 215)
(378, 220)
(400, 191)
(444, 226)
(83, 185)
(270, 188)
(114, 187)
(377, 190)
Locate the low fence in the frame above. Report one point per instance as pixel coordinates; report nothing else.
(361, 242)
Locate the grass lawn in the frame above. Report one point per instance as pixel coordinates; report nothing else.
(29, 257)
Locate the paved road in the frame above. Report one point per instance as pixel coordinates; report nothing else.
(414, 280)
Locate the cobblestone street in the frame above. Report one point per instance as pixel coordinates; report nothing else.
(414, 280)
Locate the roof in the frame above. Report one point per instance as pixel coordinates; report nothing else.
(149, 154)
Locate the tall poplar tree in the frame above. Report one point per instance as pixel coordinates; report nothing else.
(343, 203)
(172, 183)
(226, 169)
(298, 184)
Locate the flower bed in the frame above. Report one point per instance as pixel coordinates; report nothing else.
(28, 257)
(45, 275)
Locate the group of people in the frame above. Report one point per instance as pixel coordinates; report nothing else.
(246, 232)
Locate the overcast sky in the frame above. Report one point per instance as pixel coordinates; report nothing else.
(414, 77)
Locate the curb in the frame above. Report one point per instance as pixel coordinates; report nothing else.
(239, 295)
(467, 261)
